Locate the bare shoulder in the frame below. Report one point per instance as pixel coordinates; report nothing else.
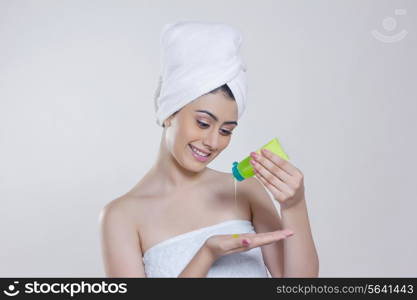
(264, 208)
(249, 187)
(256, 192)
(253, 188)
(120, 241)
(222, 183)
(120, 209)
(222, 176)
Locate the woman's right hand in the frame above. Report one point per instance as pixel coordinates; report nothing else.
(222, 244)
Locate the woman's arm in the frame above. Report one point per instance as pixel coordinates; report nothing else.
(286, 184)
(265, 218)
(200, 264)
(301, 259)
(292, 257)
(121, 251)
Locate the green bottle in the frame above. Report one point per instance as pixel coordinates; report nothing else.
(244, 169)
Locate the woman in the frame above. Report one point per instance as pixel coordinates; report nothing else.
(182, 218)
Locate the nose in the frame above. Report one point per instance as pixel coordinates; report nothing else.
(211, 140)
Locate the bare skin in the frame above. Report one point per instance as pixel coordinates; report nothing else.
(160, 217)
(180, 194)
(155, 218)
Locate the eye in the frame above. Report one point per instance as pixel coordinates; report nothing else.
(202, 124)
(226, 132)
(205, 125)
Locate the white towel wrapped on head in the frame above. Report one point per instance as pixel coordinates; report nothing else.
(196, 58)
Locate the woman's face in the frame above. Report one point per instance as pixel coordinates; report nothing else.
(201, 130)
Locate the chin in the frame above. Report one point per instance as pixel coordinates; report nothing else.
(191, 167)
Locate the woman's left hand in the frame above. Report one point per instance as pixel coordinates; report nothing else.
(281, 178)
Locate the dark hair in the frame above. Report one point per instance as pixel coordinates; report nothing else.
(223, 89)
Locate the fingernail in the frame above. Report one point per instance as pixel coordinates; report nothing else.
(245, 242)
(254, 155)
(266, 151)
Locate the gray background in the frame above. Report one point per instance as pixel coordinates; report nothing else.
(77, 123)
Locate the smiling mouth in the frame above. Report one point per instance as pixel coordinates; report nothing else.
(198, 152)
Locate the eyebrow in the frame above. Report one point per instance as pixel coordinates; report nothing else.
(215, 118)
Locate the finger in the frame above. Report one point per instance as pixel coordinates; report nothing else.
(271, 178)
(268, 164)
(233, 244)
(270, 237)
(235, 240)
(281, 232)
(285, 165)
(278, 194)
(252, 243)
(251, 236)
(242, 240)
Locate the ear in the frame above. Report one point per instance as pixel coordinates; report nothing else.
(167, 122)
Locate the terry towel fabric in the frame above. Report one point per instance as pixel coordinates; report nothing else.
(197, 57)
(169, 257)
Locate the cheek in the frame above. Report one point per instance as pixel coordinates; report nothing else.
(225, 143)
(182, 135)
(190, 132)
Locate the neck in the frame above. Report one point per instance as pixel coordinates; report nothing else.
(169, 174)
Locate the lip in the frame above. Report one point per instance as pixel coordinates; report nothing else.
(198, 157)
(200, 149)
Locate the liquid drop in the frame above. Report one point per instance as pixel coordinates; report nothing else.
(235, 181)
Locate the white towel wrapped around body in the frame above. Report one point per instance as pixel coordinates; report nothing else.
(196, 58)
